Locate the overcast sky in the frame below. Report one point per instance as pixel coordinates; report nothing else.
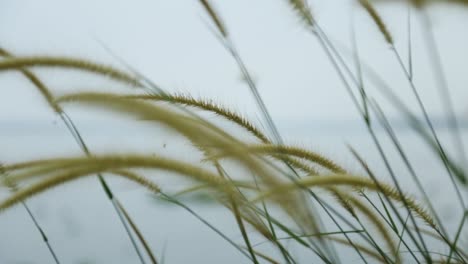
(169, 42)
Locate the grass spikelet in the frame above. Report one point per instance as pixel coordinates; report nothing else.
(275, 150)
(303, 10)
(207, 105)
(298, 164)
(377, 20)
(143, 181)
(17, 63)
(354, 181)
(214, 16)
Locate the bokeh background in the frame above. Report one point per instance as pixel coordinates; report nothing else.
(171, 43)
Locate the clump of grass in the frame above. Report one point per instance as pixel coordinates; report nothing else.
(276, 195)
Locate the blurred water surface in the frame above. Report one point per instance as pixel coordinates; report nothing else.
(83, 228)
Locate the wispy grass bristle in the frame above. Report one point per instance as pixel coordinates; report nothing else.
(214, 17)
(303, 10)
(377, 19)
(17, 63)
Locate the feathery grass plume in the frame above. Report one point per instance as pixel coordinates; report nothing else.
(354, 181)
(87, 166)
(303, 10)
(377, 20)
(298, 164)
(214, 16)
(275, 150)
(17, 63)
(143, 181)
(207, 105)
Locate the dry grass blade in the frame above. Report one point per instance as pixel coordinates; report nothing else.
(17, 63)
